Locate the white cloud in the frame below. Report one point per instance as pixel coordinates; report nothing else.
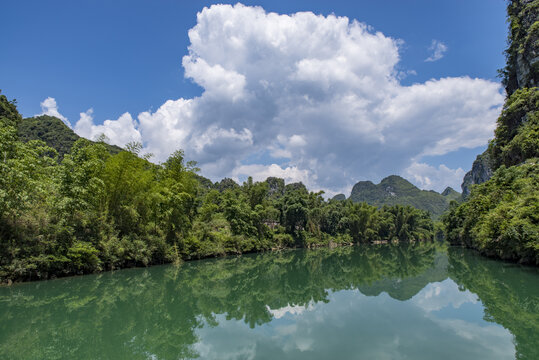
(363, 327)
(290, 309)
(261, 172)
(439, 295)
(118, 132)
(49, 107)
(432, 178)
(217, 81)
(321, 93)
(437, 49)
(168, 128)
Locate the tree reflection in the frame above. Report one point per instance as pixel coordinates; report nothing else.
(509, 293)
(140, 313)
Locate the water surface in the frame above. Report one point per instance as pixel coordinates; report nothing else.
(378, 302)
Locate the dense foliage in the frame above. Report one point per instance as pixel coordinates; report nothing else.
(395, 190)
(517, 133)
(93, 210)
(501, 216)
(54, 133)
(522, 68)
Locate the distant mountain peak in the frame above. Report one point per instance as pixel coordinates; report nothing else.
(395, 189)
(448, 190)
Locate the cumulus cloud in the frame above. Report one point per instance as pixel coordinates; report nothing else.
(118, 132)
(437, 50)
(49, 107)
(439, 295)
(435, 178)
(290, 309)
(289, 174)
(318, 96)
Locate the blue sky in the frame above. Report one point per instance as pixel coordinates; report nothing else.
(126, 56)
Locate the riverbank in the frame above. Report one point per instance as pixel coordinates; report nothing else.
(332, 243)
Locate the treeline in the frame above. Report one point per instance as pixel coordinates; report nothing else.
(501, 216)
(91, 210)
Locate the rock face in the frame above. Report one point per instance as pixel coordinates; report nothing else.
(528, 52)
(339, 197)
(522, 69)
(481, 172)
(395, 190)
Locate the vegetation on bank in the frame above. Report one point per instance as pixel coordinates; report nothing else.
(93, 210)
(501, 215)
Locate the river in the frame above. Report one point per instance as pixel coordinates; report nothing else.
(407, 301)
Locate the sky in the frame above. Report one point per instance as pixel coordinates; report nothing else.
(324, 92)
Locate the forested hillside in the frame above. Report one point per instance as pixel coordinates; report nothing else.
(395, 190)
(501, 216)
(54, 133)
(95, 209)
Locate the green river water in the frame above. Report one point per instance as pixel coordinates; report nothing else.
(407, 301)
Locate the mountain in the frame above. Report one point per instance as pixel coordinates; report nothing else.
(395, 190)
(53, 132)
(522, 67)
(451, 194)
(481, 171)
(407, 287)
(520, 73)
(499, 216)
(339, 197)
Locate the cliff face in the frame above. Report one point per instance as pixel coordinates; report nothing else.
(528, 51)
(521, 71)
(523, 52)
(339, 197)
(499, 216)
(481, 172)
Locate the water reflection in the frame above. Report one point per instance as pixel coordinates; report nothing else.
(509, 293)
(388, 301)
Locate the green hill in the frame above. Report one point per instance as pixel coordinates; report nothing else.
(500, 215)
(395, 190)
(53, 132)
(405, 287)
(451, 194)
